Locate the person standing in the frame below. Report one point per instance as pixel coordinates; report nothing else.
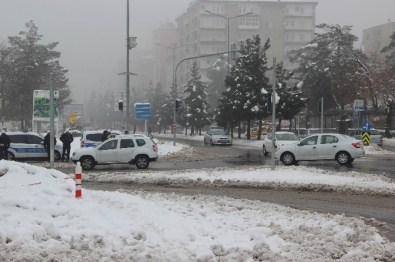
(4, 145)
(47, 145)
(106, 135)
(66, 139)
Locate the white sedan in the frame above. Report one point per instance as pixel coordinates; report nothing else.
(342, 148)
(282, 139)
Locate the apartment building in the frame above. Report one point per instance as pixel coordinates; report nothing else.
(212, 26)
(374, 39)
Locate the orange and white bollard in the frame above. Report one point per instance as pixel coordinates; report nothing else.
(78, 180)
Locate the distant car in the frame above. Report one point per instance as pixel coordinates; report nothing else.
(217, 137)
(282, 138)
(254, 131)
(138, 150)
(375, 136)
(26, 145)
(342, 148)
(94, 138)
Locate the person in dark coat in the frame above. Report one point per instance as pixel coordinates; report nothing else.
(66, 139)
(4, 145)
(47, 145)
(106, 135)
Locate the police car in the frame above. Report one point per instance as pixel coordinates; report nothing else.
(29, 145)
(94, 138)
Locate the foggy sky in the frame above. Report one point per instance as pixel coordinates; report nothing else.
(92, 33)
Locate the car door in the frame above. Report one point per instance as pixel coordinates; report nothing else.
(328, 147)
(307, 149)
(19, 145)
(107, 152)
(126, 150)
(36, 146)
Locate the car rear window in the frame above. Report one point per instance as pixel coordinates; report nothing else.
(140, 142)
(94, 137)
(127, 143)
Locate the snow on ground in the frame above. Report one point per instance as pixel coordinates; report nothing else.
(42, 221)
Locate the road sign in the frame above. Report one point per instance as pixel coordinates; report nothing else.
(366, 126)
(359, 106)
(366, 138)
(143, 111)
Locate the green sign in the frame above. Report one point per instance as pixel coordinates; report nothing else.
(41, 105)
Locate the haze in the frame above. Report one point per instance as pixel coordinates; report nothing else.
(92, 33)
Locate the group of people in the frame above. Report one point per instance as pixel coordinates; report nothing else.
(66, 138)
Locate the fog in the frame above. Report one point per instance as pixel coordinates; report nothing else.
(92, 33)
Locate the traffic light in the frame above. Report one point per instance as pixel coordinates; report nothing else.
(178, 104)
(269, 102)
(120, 105)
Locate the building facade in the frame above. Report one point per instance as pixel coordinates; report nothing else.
(213, 26)
(374, 39)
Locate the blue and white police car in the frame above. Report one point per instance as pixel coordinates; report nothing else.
(26, 145)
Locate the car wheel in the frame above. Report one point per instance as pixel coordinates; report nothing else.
(142, 162)
(264, 150)
(57, 156)
(10, 156)
(204, 141)
(211, 142)
(343, 158)
(87, 163)
(287, 158)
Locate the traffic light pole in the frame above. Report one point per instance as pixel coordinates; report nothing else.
(175, 86)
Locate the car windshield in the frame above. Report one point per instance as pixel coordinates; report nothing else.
(287, 137)
(218, 132)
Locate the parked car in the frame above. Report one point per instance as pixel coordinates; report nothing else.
(30, 145)
(254, 131)
(375, 136)
(137, 150)
(216, 136)
(94, 138)
(342, 148)
(282, 138)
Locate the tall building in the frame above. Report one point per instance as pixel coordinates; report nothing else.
(211, 26)
(164, 41)
(374, 39)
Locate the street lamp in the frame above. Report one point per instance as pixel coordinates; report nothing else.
(228, 19)
(130, 43)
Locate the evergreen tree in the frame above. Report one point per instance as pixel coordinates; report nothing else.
(291, 101)
(31, 65)
(247, 83)
(390, 50)
(217, 74)
(327, 66)
(195, 97)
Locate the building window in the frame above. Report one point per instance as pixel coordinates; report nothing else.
(249, 22)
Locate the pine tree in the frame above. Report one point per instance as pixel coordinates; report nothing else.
(247, 83)
(217, 74)
(32, 63)
(291, 100)
(195, 97)
(327, 66)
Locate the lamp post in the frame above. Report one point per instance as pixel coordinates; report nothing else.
(130, 43)
(228, 19)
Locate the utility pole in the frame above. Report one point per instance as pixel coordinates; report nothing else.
(322, 114)
(51, 123)
(127, 69)
(273, 160)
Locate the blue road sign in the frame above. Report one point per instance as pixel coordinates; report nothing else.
(143, 111)
(366, 126)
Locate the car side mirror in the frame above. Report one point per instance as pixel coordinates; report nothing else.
(299, 144)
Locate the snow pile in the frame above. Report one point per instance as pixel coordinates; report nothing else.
(42, 221)
(294, 177)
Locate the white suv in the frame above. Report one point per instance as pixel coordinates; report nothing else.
(120, 149)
